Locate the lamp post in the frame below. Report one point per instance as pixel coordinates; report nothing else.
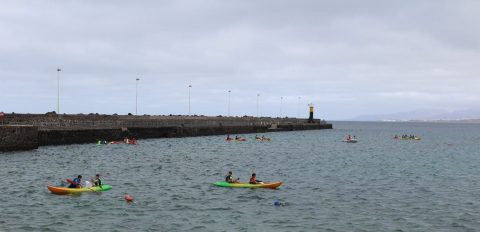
(281, 110)
(189, 87)
(258, 96)
(298, 107)
(136, 96)
(229, 91)
(58, 90)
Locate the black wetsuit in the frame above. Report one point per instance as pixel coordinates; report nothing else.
(97, 182)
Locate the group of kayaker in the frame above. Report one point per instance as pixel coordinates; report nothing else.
(77, 182)
(263, 138)
(237, 138)
(126, 140)
(253, 180)
(405, 136)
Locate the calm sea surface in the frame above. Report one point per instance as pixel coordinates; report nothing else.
(378, 184)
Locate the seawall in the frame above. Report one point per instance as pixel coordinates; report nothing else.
(18, 137)
(53, 129)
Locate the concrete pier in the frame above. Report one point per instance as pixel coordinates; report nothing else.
(53, 129)
(18, 137)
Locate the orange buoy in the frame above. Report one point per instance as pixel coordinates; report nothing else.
(128, 198)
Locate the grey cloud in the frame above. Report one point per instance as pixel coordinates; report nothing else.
(347, 57)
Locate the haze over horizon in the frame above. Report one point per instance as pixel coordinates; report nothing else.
(348, 58)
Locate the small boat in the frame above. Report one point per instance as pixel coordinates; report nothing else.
(263, 139)
(63, 190)
(350, 140)
(241, 139)
(271, 185)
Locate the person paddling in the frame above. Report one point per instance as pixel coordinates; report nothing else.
(97, 181)
(229, 178)
(253, 179)
(76, 183)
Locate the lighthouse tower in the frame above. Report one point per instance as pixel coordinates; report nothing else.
(310, 118)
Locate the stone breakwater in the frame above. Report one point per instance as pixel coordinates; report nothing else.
(28, 131)
(18, 137)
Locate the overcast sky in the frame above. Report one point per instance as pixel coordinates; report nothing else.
(348, 58)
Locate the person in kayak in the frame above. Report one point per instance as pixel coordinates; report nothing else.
(76, 183)
(253, 179)
(97, 181)
(229, 178)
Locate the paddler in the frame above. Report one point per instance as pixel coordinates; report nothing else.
(97, 181)
(76, 183)
(229, 178)
(253, 179)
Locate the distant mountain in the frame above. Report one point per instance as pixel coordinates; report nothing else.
(423, 115)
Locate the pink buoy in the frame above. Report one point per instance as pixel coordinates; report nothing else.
(128, 198)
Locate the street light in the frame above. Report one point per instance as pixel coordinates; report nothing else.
(229, 91)
(281, 111)
(136, 96)
(189, 87)
(58, 90)
(258, 96)
(298, 107)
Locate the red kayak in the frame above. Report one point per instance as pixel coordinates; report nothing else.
(131, 142)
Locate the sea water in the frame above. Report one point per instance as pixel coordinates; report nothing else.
(377, 184)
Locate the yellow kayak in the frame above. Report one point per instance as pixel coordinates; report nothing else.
(63, 190)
